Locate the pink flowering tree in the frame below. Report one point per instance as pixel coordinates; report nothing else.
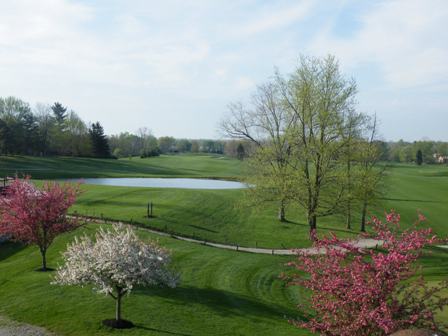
(37, 216)
(360, 292)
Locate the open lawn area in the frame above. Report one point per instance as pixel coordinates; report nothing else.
(222, 215)
(222, 292)
(182, 165)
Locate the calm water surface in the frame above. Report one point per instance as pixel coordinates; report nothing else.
(182, 183)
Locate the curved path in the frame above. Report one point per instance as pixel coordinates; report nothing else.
(362, 243)
(12, 328)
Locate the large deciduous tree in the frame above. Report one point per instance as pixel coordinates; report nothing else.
(18, 127)
(264, 124)
(317, 98)
(37, 216)
(304, 127)
(362, 292)
(367, 187)
(115, 263)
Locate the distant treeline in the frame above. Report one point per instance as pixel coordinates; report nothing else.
(56, 130)
(144, 144)
(407, 152)
(48, 130)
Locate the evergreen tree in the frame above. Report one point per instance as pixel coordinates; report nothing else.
(240, 152)
(60, 112)
(100, 144)
(419, 157)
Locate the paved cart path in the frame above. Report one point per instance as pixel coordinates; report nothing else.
(362, 243)
(13, 328)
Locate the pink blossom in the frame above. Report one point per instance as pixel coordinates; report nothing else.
(356, 292)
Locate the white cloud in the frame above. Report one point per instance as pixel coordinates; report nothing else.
(274, 18)
(244, 83)
(405, 38)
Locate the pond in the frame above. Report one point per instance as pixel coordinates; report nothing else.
(181, 183)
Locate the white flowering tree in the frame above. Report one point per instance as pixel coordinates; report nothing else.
(114, 263)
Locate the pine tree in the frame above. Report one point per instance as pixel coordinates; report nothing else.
(419, 157)
(60, 112)
(240, 152)
(100, 144)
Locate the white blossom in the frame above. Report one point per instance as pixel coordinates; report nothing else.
(116, 261)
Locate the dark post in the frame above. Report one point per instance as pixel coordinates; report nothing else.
(149, 210)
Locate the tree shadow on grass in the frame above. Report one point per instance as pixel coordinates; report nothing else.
(202, 228)
(9, 248)
(409, 200)
(324, 228)
(159, 331)
(223, 302)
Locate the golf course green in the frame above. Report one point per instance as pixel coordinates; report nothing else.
(222, 292)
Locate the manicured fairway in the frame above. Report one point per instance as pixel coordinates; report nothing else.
(214, 215)
(222, 293)
(219, 215)
(410, 188)
(183, 165)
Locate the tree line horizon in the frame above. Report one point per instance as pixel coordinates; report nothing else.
(52, 130)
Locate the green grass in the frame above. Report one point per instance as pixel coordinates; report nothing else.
(182, 165)
(214, 215)
(221, 293)
(410, 188)
(218, 215)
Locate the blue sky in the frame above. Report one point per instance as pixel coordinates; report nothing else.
(174, 65)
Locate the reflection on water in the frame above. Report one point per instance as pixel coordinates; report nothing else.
(181, 183)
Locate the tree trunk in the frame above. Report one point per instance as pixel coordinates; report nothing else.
(349, 202)
(118, 305)
(349, 215)
(281, 212)
(363, 218)
(43, 252)
(312, 222)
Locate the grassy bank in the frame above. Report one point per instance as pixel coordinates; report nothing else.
(182, 165)
(221, 293)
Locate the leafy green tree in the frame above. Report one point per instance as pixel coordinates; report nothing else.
(77, 136)
(194, 146)
(368, 187)
(317, 97)
(18, 128)
(166, 144)
(265, 126)
(351, 133)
